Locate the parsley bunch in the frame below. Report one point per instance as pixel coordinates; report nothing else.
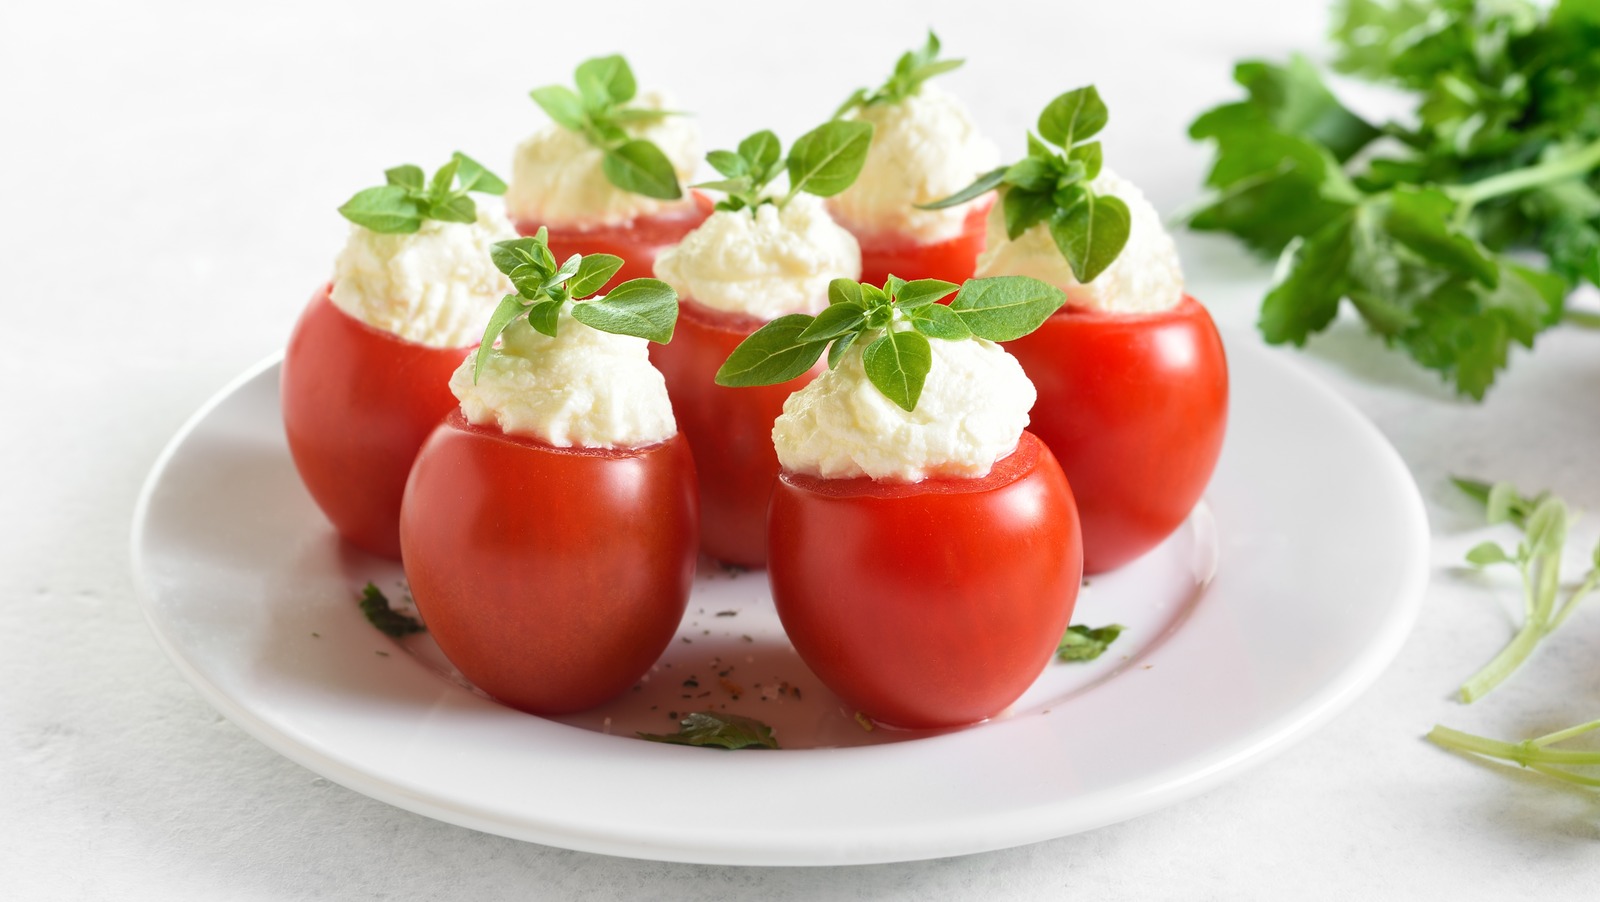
(407, 197)
(894, 323)
(1420, 224)
(1090, 230)
(912, 69)
(823, 161)
(598, 110)
(643, 308)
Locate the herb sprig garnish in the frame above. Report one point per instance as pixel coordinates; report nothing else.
(1410, 221)
(1544, 520)
(1053, 187)
(894, 324)
(390, 622)
(598, 110)
(1534, 754)
(1086, 643)
(912, 69)
(728, 731)
(823, 161)
(644, 308)
(408, 197)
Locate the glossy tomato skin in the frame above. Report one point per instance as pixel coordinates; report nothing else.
(1134, 407)
(638, 242)
(357, 404)
(551, 577)
(730, 430)
(954, 259)
(931, 604)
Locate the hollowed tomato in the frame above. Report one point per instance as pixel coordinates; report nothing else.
(638, 241)
(1134, 407)
(954, 259)
(928, 604)
(730, 430)
(357, 404)
(551, 577)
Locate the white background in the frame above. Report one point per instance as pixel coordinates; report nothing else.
(168, 179)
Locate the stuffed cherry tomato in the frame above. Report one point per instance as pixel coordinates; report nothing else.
(608, 180)
(925, 147)
(730, 430)
(365, 375)
(924, 552)
(550, 526)
(928, 604)
(753, 261)
(1135, 407)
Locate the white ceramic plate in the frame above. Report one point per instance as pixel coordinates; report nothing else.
(1284, 596)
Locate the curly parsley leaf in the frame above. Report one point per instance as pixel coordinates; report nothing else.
(392, 623)
(599, 111)
(718, 730)
(910, 71)
(1084, 643)
(407, 198)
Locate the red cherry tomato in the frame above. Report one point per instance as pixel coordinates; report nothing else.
(730, 430)
(1134, 407)
(638, 242)
(888, 253)
(357, 404)
(551, 577)
(928, 604)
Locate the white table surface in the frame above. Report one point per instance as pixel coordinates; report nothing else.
(170, 176)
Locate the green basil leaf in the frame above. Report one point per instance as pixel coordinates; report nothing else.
(640, 166)
(1091, 235)
(544, 316)
(388, 209)
(833, 322)
(1005, 308)
(840, 345)
(923, 291)
(892, 285)
(1072, 117)
(1039, 150)
(846, 291)
(728, 163)
(772, 354)
(1083, 643)
(827, 159)
(1024, 209)
(898, 364)
(1091, 155)
(856, 98)
(762, 151)
(1032, 174)
(734, 186)
(644, 308)
(407, 176)
(568, 269)
(456, 208)
(593, 273)
(606, 81)
(392, 623)
(985, 183)
(561, 104)
(1485, 554)
(439, 188)
(472, 176)
(513, 253)
(938, 321)
(718, 730)
(509, 308)
(874, 297)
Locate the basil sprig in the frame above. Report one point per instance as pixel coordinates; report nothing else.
(912, 69)
(894, 323)
(643, 308)
(823, 161)
(408, 197)
(1089, 229)
(598, 110)
(712, 729)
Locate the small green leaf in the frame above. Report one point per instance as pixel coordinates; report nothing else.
(827, 159)
(1547, 528)
(544, 316)
(390, 622)
(1485, 554)
(762, 151)
(594, 271)
(1091, 235)
(856, 98)
(1005, 308)
(1306, 297)
(1475, 489)
(985, 183)
(846, 291)
(1031, 174)
(509, 308)
(1420, 219)
(388, 209)
(1091, 155)
(728, 163)
(561, 104)
(640, 166)
(1024, 209)
(772, 354)
(835, 321)
(443, 178)
(472, 176)
(718, 730)
(644, 308)
(407, 176)
(1501, 499)
(898, 364)
(1083, 643)
(1072, 117)
(923, 291)
(892, 285)
(606, 81)
(938, 321)
(840, 346)
(456, 208)
(567, 270)
(733, 187)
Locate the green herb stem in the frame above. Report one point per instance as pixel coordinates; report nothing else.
(1583, 318)
(1531, 753)
(1504, 663)
(1568, 733)
(1546, 173)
